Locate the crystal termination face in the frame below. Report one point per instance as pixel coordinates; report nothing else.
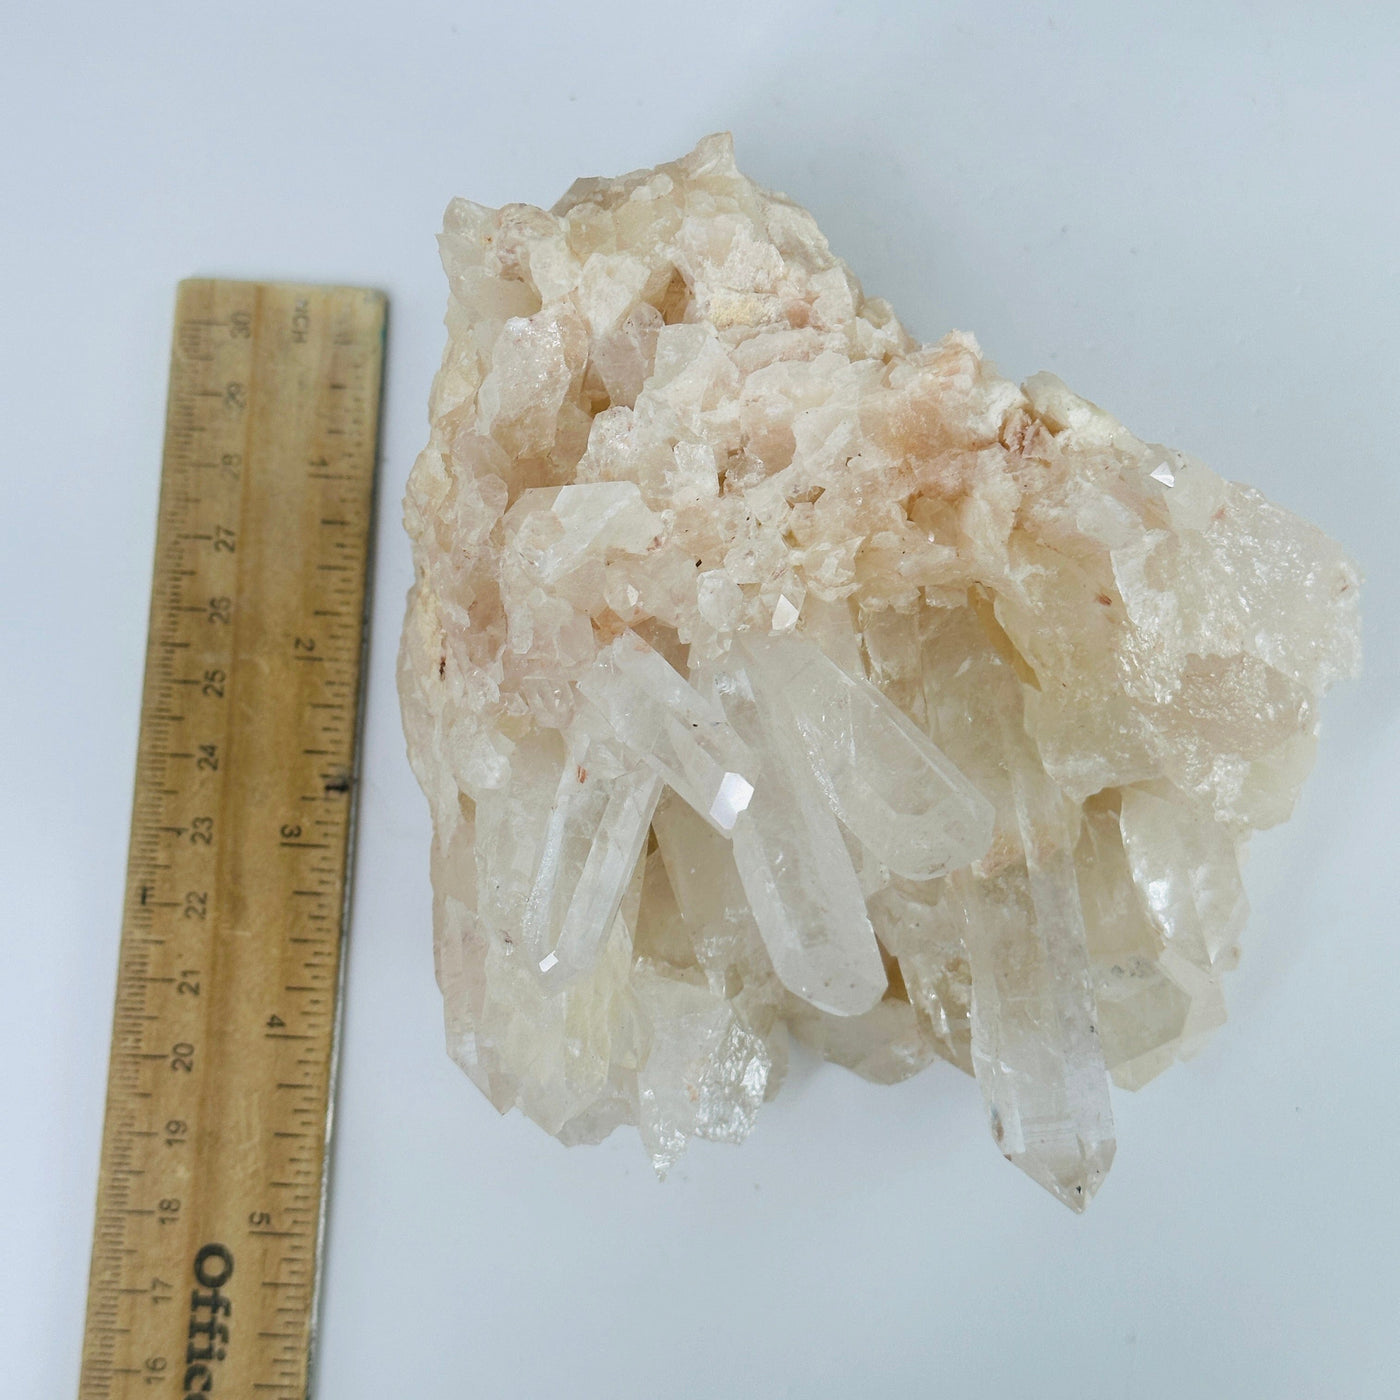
(772, 675)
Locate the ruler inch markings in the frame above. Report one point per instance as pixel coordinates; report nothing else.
(193, 1211)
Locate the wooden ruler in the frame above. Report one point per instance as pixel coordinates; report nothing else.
(211, 1200)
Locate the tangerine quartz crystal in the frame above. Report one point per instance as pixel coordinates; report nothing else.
(771, 675)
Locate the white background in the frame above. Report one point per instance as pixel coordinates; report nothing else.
(1188, 211)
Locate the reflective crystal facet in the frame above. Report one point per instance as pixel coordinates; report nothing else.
(771, 675)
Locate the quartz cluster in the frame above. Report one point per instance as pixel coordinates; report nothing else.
(770, 674)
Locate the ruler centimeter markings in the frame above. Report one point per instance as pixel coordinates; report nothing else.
(210, 1202)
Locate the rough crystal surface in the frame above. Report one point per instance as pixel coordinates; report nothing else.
(772, 675)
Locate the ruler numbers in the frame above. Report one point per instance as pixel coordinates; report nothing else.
(209, 1210)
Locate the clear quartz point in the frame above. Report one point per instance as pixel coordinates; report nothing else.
(669, 726)
(888, 783)
(597, 827)
(1036, 1049)
(795, 866)
(1186, 870)
(1142, 1006)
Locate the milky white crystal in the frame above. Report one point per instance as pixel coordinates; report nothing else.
(770, 674)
